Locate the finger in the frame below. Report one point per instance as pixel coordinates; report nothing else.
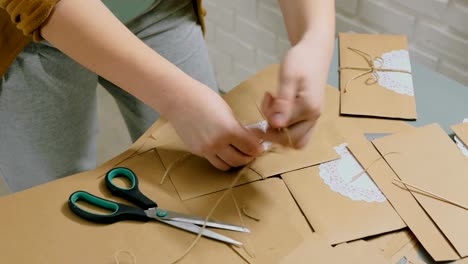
(218, 163)
(233, 157)
(247, 142)
(292, 137)
(283, 104)
(266, 104)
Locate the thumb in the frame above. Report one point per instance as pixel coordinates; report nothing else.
(282, 106)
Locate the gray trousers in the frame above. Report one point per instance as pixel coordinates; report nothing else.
(48, 105)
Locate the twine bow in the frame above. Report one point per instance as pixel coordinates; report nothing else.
(372, 69)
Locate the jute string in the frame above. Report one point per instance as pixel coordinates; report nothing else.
(355, 177)
(414, 187)
(428, 193)
(128, 253)
(372, 69)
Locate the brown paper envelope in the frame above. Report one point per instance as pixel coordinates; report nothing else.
(361, 124)
(408, 252)
(360, 252)
(315, 250)
(371, 100)
(427, 158)
(391, 243)
(340, 219)
(40, 228)
(281, 228)
(421, 225)
(195, 176)
(312, 250)
(318, 150)
(461, 130)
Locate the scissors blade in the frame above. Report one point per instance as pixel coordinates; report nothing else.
(196, 229)
(200, 221)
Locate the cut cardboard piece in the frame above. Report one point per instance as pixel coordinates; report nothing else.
(40, 221)
(340, 217)
(377, 93)
(437, 167)
(281, 226)
(421, 225)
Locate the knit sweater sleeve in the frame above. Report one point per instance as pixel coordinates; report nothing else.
(29, 15)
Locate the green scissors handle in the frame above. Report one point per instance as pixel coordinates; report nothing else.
(119, 212)
(131, 194)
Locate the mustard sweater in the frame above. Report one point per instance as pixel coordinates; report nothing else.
(21, 20)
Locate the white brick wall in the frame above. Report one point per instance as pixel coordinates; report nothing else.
(246, 35)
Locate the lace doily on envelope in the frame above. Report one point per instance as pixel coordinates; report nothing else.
(263, 126)
(398, 82)
(338, 175)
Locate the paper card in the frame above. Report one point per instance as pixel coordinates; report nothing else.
(461, 136)
(42, 229)
(350, 208)
(439, 168)
(281, 226)
(375, 76)
(421, 225)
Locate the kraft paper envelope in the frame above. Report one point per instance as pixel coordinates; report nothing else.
(391, 243)
(335, 217)
(195, 176)
(315, 250)
(427, 158)
(38, 226)
(421, 225)
(339, 208)
(362, 124)
(281, 226)
(375, 76)
(461, 132)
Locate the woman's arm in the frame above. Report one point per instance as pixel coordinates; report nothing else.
(304, 70)
(90, 34)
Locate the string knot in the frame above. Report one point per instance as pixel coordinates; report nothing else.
(371, 68)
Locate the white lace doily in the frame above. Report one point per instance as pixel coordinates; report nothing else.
(263, 126)
(398, 82)
(460, 144)
(338, 175)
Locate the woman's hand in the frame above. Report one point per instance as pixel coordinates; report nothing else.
(208, 127)
(299, 102)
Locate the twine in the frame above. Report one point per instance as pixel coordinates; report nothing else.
(116, 256)
(372, 69)
(428, 193)
(355, 177)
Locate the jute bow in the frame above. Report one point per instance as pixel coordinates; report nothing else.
(372, 69)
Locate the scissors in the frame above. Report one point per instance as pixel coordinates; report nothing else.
(148, 209)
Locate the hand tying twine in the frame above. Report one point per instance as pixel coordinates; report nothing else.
(372, 69)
